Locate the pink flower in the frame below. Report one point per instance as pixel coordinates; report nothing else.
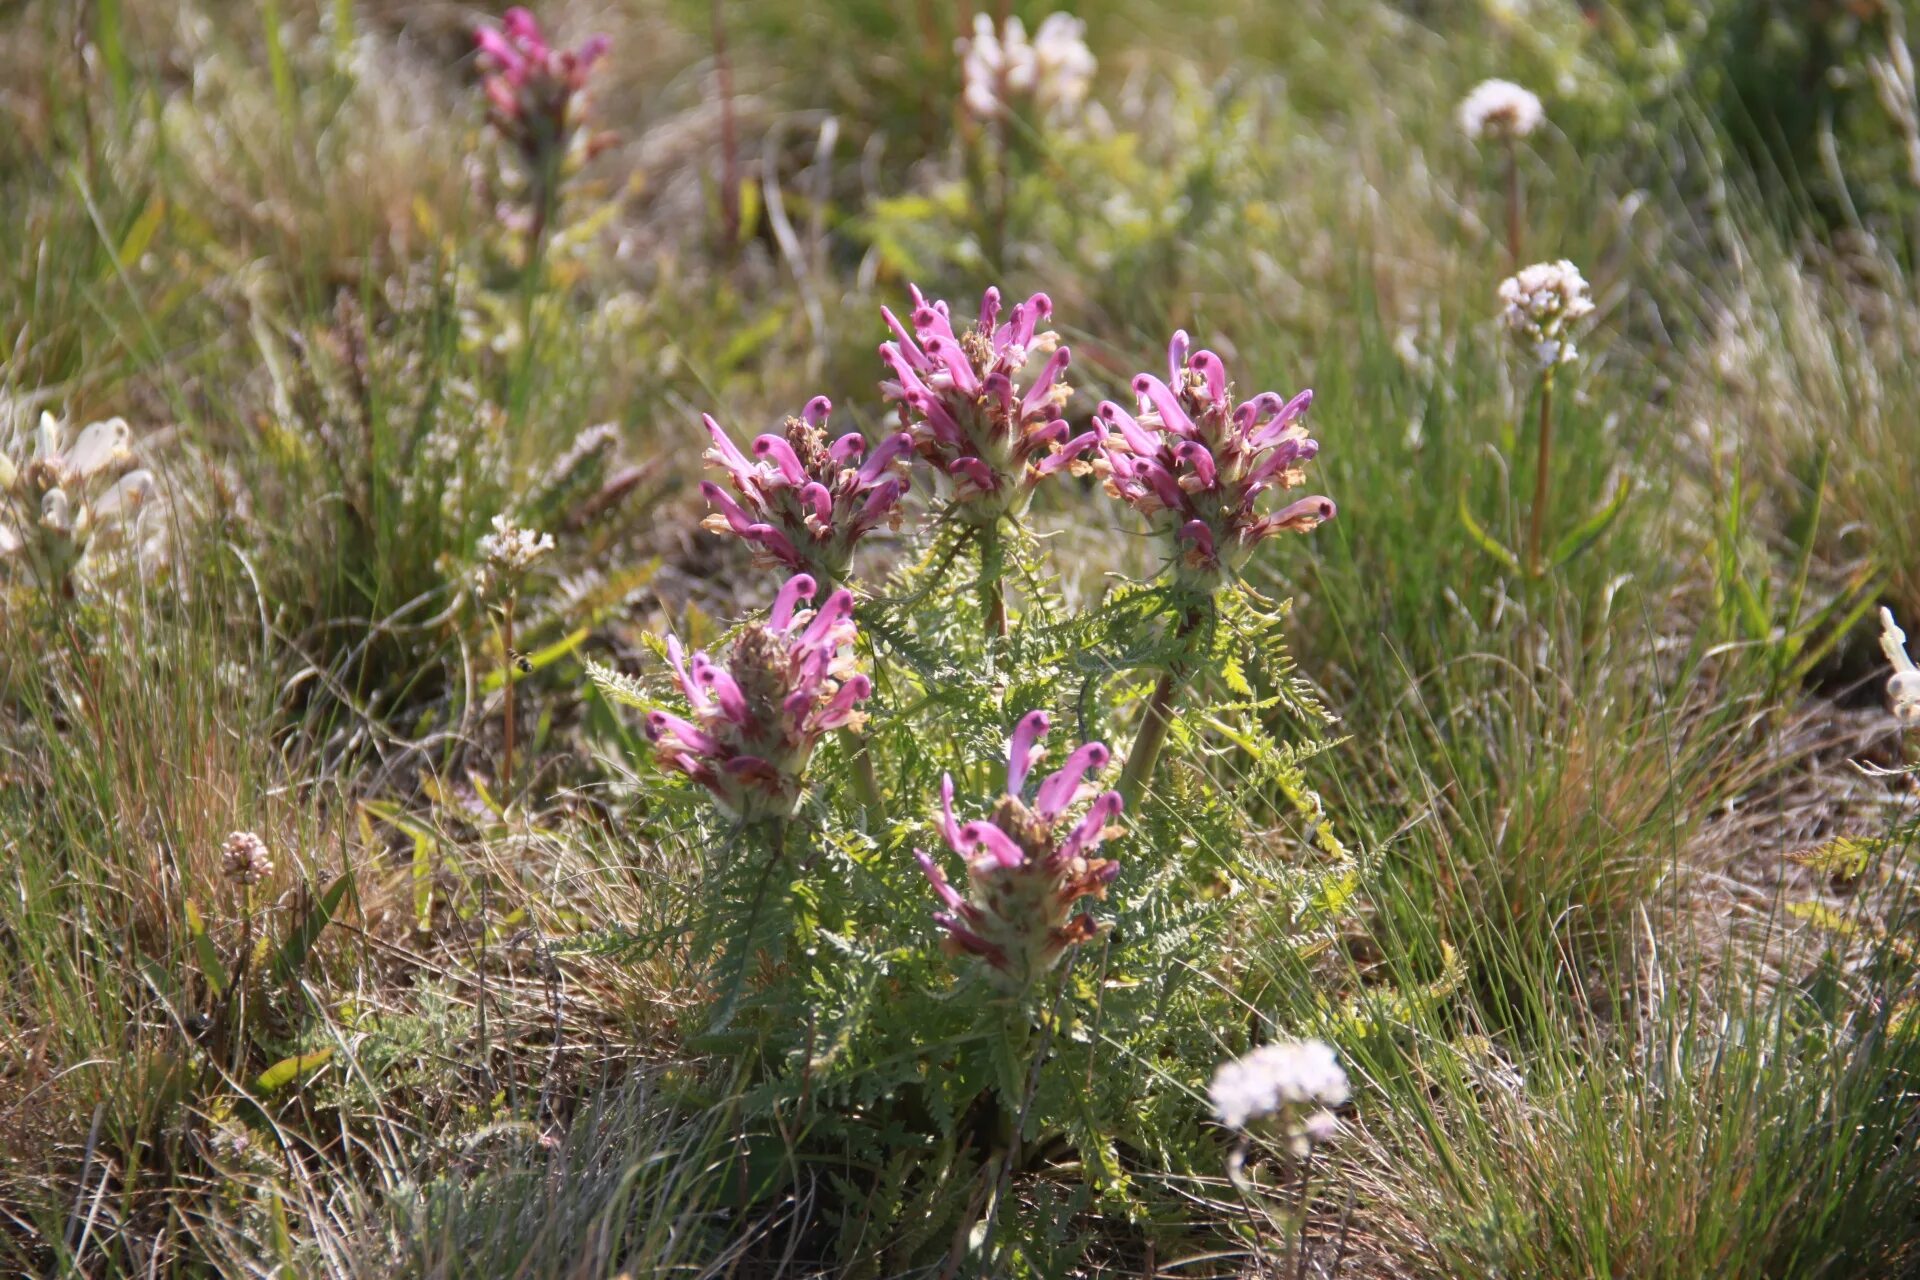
(535, 93)
(1027, 863)
(962, 399)
(1197, 466)
(803, 502)
(786, 684)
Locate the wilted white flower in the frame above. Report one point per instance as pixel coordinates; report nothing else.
(509, 551)
(1904, 686)
(1499, 109)
(65, 491)
(1055, 70)
(245, 858)
(1297, 1081)
(1541, 304)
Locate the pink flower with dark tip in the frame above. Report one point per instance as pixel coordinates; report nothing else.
(1199, 467)
(536, 94)
(1028, 862)
(971, 416)
(804, 502)
(756, 720)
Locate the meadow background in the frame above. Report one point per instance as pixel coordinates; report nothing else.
(1614, 941)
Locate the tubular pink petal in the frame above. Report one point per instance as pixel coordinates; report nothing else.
(815, 414)
(722, 501)
(949, 828)
(1138, 438)
(942, 888)
(1283, 418)
(726, 693)
(781, 454)
(997, 843)
(797, 588)
(726, 454)
(847, 448)
(1197, 532)
(975, 472)
(1031, 727)
(1177, 354)
(907, 351)
(989, 309)
(837, 609)
(1061, 786)
(1042, 388)
(998, 387)
(840, 709)
(1155, 392)
(815, 495)
(663, 724)
(880, 500)
(897, 445)
(1089, 831)
(1197, 457)
(946, 352)
(1209, 367)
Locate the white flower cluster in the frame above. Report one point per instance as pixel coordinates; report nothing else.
(509, 551)
(1904, 686)
(1296, 1080)
(1500, 109)
(1541, 305)
(69, 488)
(245, 858)
(1055, 70)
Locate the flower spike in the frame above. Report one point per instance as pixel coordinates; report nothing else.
(1196, 465)
(804, 503)
(1027, 865)
(786, 684)
(966, 410)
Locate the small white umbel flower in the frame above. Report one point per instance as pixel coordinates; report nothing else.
(1903, 687)
(1297, 1082)
(508, 552)
(245, 859)
(1499, 109)
(1540, 305)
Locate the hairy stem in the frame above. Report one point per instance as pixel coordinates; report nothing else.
(993, 591)
(729, 136)
(866, 782)
(1153, 727)
(1541, 480)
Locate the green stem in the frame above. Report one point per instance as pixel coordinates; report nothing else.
(1541, 474)
(993, 592)
(1514, 230)
(866, 782)
(1154, 726)
(506, 745)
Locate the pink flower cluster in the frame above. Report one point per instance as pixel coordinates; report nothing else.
(757, 720)
(803, 502)
(1197, 466)
(1024, 873)
(535, 91)
(961, 398)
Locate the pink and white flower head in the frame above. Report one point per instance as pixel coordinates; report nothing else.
(963, 400)
(999, 67)
(1541, 304)
(1499, 109)
(70, 496)
(786, 684)
(536, 94)
(803, 502)
(1297, 1082)
(1199, 467)
(1028, 863)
